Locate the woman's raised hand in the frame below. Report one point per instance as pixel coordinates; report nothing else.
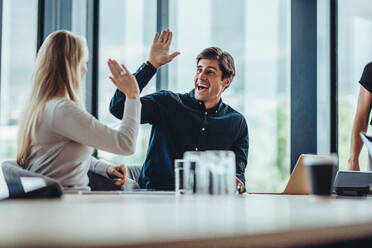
(123, 79)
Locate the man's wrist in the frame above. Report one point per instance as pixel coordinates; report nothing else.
(152, 64)
(133, 96)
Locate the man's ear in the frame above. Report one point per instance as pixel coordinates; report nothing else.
(226, 82)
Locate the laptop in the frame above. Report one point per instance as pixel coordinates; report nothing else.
(298, 182)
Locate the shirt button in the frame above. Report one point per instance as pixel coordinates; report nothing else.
(196, 148)
(200, 103)
(206, 113)
(203, 129)
(216, 111)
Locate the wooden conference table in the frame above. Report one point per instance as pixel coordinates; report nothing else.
(160, 220)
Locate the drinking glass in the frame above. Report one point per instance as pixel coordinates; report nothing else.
(221, 172)
(179, 169)
(195, 173)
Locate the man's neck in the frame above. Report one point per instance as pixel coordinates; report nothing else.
(211, 104)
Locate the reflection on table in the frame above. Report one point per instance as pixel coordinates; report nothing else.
(155, 220)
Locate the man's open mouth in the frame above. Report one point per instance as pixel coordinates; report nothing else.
(202, 87)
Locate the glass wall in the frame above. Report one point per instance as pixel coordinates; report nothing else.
(127, 29)
(18, 50)
(257, 34)
(79, 26)
(323, 77)
(354, 52)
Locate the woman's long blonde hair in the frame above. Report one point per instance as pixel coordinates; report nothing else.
(56, 73)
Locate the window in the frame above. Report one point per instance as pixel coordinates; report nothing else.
(257, 34)
(79, 26)
(79, 17)
(127, 29)
(354, 52)
(18, 51)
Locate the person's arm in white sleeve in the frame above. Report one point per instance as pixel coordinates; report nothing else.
(118, 172)
(75, 123)
(99, 167)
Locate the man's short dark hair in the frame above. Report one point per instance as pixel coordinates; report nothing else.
(225, 60)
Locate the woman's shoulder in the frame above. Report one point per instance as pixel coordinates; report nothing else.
(366, 78)
(368, 66)
(367, 71)
(63, 110)
(61, 105)
(59, 102)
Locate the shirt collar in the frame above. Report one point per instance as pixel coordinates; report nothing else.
(215, 109)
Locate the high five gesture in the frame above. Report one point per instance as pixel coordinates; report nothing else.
(159, 54)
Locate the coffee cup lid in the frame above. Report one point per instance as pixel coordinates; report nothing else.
(323, 160)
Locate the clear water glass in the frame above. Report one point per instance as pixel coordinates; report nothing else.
(210, 172)
(179, 169)
(221, 172)
(196, 173)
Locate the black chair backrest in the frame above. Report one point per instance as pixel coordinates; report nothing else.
(101, 183)
(21, 183)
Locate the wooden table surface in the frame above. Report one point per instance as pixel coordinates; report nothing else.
(144, 220)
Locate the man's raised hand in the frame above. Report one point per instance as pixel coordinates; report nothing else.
(159, 54)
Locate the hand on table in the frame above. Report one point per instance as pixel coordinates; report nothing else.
(239, 185)
(353, 165)
(118, 172)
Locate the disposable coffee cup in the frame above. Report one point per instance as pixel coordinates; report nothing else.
(320, 170)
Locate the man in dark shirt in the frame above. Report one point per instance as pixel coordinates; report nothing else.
(195, 121)
(361, 117)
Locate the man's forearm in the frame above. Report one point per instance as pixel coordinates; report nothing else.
(241, 177)
(240, 169)
(144, 74)
(117, 104)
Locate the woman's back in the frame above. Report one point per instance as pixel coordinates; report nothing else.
(56, 155)
(65, 137)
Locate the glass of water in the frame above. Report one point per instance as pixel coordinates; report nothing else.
(196, 173)
(179, 169)
(221, 172)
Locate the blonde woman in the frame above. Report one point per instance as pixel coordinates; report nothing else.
(57, 136)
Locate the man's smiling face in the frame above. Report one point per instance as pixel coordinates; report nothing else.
(208, 81)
